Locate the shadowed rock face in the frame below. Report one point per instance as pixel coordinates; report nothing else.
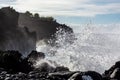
(113, 72)
(45, 29)
(13, 37)
(34, 56)
(19, 31)
(12, 61)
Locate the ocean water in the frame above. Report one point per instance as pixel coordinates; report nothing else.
(95, 47)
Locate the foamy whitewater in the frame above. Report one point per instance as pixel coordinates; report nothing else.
(96, 47)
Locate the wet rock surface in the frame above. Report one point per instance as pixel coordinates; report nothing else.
(113, 73)
(14, 67)
(36, 75)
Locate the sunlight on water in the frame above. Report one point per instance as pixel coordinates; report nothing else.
(89, 51)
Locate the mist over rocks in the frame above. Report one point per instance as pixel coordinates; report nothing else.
(34, 56)
(20, 31)
(11, 36)
(45, 27)
(14, 67)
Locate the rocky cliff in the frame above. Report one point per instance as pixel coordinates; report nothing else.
(22, 28)
(11, 36)
(45, 27)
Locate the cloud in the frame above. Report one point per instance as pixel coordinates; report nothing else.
(87, 8)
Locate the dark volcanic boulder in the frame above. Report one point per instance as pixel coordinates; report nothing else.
(34, 55)
(113, 72)
(61, 68)
(64, 74)
(91, 75)
(45, 67)
(10, 60)
(76, 76)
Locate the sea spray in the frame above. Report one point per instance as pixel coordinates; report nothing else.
(89, 50)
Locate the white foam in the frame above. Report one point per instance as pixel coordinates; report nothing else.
(90, 50)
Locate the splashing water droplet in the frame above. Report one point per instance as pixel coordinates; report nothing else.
(89, 51)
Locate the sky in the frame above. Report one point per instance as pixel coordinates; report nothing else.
(71, 12)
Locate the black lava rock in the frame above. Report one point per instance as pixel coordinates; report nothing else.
(14, 67)
(10, 60)
(13, 62)
(34, 55)
(76, 76)
(61, 68)
(93, 75)
(113, 72)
